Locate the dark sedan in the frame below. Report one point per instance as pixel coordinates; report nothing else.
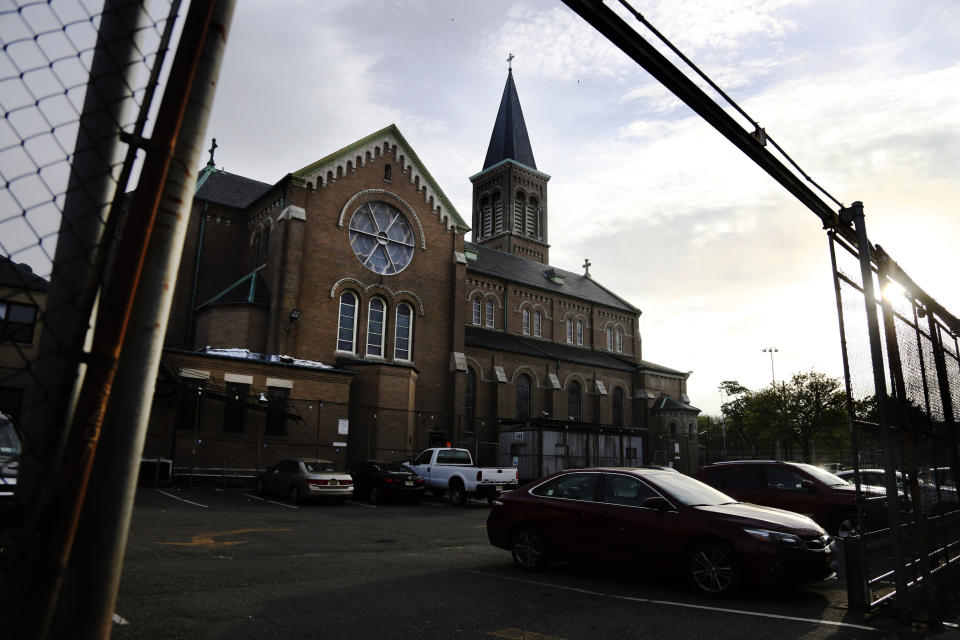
(379, 481)
(664, 522)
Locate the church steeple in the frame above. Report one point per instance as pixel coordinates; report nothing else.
(509, 139)
(509, 194)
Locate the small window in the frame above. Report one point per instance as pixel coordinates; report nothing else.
(387, 170)
(490, 313)
(348, 322)
(401, 349)
(17, 322)
(569, 331)
(619, 344)
(609, 339)
(375, 331)
(537, 324)
(525, 325)
(617, 406)
(573, 400)
(523, 397)
(579, 332)
(571, 486)
(476, 311)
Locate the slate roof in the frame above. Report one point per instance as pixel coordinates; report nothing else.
(498, 341)
(229, 189)
(20, 276)
(645, 365)
(251, 289)
(666, 403)
(500, 264)
(509, 139)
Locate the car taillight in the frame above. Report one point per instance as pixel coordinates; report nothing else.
(419, 481)
(390, 480)
(346, 482)
(318, 483)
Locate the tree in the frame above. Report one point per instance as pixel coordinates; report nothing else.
(815, 405)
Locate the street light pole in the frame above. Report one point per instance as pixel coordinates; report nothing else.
(773, 386)
(723, 426)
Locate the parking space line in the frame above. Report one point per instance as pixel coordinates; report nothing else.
(688, 605)
(256, 497)
(170, 495)
(362, 504)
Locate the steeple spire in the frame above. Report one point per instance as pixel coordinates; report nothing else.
(509, 139)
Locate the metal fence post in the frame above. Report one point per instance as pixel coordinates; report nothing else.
(854, 214)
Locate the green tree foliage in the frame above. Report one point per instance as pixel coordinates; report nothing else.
(809, 407)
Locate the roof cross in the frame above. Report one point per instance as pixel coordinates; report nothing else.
(510, 62)
(586, 267)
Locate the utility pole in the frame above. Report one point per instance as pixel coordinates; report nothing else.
(773, 386)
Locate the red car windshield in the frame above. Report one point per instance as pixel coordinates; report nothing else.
(687, 490)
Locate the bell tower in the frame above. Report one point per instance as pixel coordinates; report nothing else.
(509, 194)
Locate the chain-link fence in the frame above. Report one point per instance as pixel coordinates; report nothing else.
(87, 157)
(903, 384)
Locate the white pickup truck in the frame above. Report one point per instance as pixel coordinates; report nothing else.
(446, 469)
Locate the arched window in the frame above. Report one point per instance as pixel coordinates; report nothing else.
(266, 245)
(470, 400)
(256, 250)
(387, 170)
(404, 332)
(609, 339)
(573, 401)
(375, 322)
(619, 341)
(347, 327)
(486, 218)
(525, 325)
(569, 330)
(523, 397)
(532, 230)
(489, 313)
(537, 324)
(519, 211)
(617, 407)
(497, 213)
(476, 311)
(579, 332)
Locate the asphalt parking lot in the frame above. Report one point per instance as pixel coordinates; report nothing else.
(204, 563)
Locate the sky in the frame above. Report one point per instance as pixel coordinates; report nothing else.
(863, 94)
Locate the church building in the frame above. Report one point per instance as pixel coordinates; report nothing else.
(341, 313)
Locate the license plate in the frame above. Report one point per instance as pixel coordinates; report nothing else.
(334, 483)
(408, 483)
(499, 487)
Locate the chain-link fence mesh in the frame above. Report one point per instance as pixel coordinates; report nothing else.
(915, 394)
(74, 78)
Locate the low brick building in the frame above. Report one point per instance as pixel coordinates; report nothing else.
(359, 261)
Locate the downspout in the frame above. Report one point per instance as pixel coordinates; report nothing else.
(196, 277)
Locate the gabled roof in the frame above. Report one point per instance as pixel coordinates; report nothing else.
(666, 403)
(250, 289)
(509, 139)
(499, 341)
(20, 276)
(316, 171)
(500, 264)
(228, 189)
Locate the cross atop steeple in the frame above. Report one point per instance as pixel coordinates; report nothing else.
(212, 148)
(586, 267)
(510, 62)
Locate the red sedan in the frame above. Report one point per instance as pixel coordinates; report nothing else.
(662, 521)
